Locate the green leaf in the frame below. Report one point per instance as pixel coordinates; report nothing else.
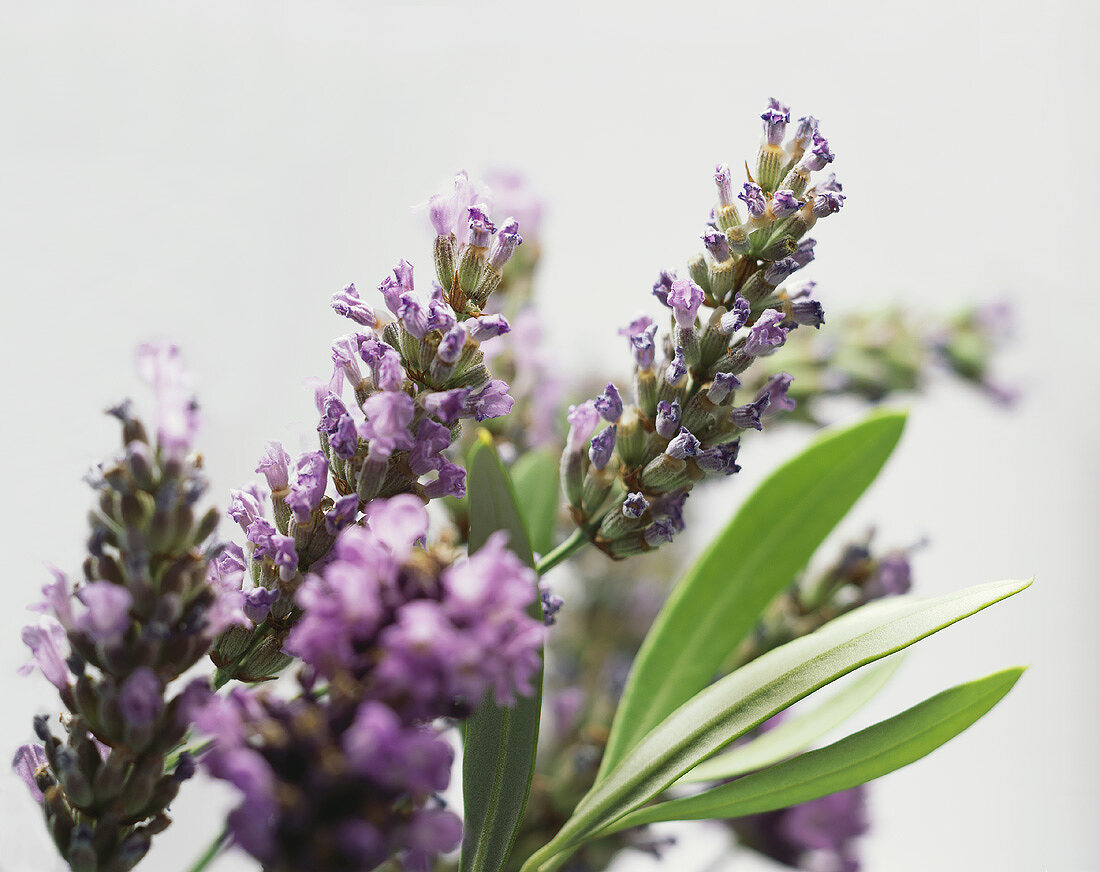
(732, 706)
(717, 603)
(857, 759)
(535, 476)
(499, 743)
(796, 734)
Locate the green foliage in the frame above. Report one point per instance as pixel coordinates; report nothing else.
(720, 598)
(535, 476)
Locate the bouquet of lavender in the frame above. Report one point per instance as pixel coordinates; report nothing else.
(396, 576)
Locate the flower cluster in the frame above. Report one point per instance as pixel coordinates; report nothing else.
(146, 611)
(401, 637)
(413, 379)
(687, 416)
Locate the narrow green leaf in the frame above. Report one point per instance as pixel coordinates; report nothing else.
(732, 706)
(717, 603)
(857, 759)
(499, 743)
(535, 476)
(796, 734)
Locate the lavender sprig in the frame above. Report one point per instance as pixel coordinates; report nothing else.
(626, 485)
(146, 611)
(403, 636)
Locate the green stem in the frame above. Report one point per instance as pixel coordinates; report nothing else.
(227, 673)
(216, 847)
(566, 549)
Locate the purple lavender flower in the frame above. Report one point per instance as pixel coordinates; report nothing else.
(603, 443)
(893, 577)
(106, 617)
(720, 459)
(449, 482)
(384, 362)
(662, 286)
(310, 481)
(775, 392)
(677, 367)
(808, 313)
(830, 184)
(141, 697)
(748, 416)
(582, 419)
(775, 118)
(348, 304)
(659, 531)
(717, 244)
(722, 386)
(784, 203)
(752, 195)
(635, 505)
(487, 327)
(639, 325)
(413, 315)
(48, 644)
(161, 366)
(452, 344)
(481, 228)
(818, 156)
(777, 272)
(505, 244)
(805, 131)
(258, 602)
(492, 400)
(274, 463)
(724, 182)
(28, 761)
(805, 251)
(448, 406)
(735, 318)
(386, 427)
(396, 285)
(610, 404)
(766, 334)
(684, 444)
(668, 418)
(344, 439)
(827, 202)
(551, 605)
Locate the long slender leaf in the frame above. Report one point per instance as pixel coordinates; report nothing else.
(859, 758)
(732, 706)
(499, 743)
(719, 600)
(795, 735)
(535, 476)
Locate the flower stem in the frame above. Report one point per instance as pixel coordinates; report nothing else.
(574, 543)
(216, 847)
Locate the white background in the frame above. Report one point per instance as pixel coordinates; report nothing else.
(212, 172)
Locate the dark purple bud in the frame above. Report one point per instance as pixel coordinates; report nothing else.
(610, 404)
(808, 313)
(450, 346)
(748, 416)
(668, 419)
(603, 443)
(185, 767)
(658, 532)
(257, 603)
(677, 367)
(487, 327)
(775, 118)
(348, 304)
(662, 286)
(752, 195)
(766, 334)
(634, 506)
(274, 463)
(724, 181)
(775, 394)
(827, 202)
(342, 514)
(723, 385)
(332, 409)
(785, 203)
(780, 270)
(736, 317)
(141, 697)
(505, 245)
(683, 445)
(721, 459)
(551, 605)
(717, 244)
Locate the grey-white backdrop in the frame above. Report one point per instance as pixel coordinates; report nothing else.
(213, 171)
